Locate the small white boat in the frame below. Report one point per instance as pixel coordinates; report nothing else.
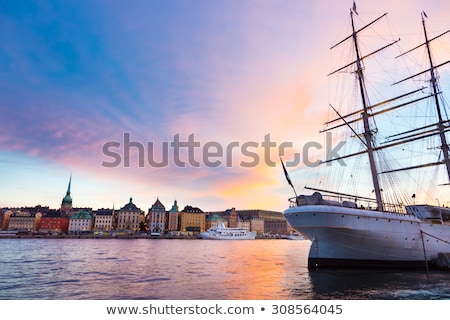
(295, 236)
(220, 232)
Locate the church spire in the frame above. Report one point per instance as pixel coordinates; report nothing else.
(66, 203)
(68, 187)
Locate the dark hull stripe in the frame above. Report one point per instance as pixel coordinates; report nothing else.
(325, 263)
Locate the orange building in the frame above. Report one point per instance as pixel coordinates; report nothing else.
(192, 219)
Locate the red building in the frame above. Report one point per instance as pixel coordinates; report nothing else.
(54, 222)
(57, 221)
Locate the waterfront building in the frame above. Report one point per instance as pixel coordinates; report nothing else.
(142, 222)
(245, 224)
(4, 218)
(77, 209)
(24, 221)
(89, 210)
(80, 222)
(66, 203)
(263, 214)
(172, 219)
(213, 221)
(129, 217)
(233, 218)
(156, 217)
(192, 220)
(104, 219)
(276, 227)
(257, 224)
(54, 221)
(36, 209)
(261, 221)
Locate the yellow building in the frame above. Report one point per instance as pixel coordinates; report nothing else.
(257, 224)
(5, 221)
(129, 217)
(192, 219)
(24, 221)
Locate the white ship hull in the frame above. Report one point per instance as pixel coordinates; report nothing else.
(349, 237)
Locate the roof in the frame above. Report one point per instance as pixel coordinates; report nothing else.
(67, 199)
(23, 214)
(104, 212)
(81, 215)
(54, 214)
(130, 206)
(215, 218)
(192, 209)
(158, 204)
(174, 207)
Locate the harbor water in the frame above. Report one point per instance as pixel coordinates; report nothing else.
(162, 269)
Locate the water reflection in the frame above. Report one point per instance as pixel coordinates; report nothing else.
(379, 284)
(193, 270)
(258, 271)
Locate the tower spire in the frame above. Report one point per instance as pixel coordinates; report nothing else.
(68, 187)
(66, 203)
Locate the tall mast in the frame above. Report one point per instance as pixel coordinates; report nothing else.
(365, 117)
(444, 145)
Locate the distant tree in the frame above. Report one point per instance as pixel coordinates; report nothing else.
(142, 226)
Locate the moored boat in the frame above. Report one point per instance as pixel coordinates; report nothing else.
(220, 232)
(295, 236)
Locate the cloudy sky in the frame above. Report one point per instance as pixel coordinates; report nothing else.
(84, 82)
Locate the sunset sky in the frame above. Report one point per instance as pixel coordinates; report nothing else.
(76, 75)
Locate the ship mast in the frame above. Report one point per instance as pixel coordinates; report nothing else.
(440, 128)
(365, 118)
(440, 124)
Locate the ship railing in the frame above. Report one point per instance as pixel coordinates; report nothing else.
(344, 201)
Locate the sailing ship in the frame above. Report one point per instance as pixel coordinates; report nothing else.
(382, 229)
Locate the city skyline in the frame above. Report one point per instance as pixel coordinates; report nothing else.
(66, 204)
(76, 76)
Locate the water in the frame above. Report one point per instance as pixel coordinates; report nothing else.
(116, 269)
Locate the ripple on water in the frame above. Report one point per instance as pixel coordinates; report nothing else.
(180, 269)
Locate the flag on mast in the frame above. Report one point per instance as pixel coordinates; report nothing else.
(287, 176)
(354, 8)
